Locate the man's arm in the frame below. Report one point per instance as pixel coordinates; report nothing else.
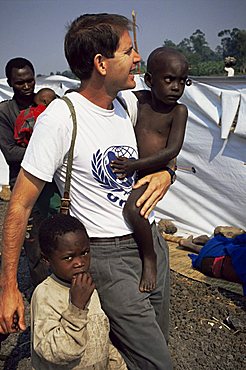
(159, 184)
(24, 195)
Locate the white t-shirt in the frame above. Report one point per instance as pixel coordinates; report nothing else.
(97, 196)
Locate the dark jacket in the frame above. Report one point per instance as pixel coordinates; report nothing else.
(12, 152)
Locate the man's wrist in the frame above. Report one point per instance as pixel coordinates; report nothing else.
(8, 284)
(172, 173)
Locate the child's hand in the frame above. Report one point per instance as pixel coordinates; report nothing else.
(123, 167)
(81, 289)
(15, 325)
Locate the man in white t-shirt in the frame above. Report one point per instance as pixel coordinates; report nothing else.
(99, 51)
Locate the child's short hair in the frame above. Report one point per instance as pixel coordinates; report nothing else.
(55, 226)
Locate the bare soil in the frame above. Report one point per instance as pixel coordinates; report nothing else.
(200, 336)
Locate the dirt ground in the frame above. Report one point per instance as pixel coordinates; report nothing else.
(200, 337)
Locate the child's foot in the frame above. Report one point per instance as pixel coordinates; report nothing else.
(148, 279)
(202, 239)
(189, 245)
(186, 242)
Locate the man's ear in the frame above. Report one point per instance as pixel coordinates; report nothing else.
(100, 64)
(9, 82)
(148, 79)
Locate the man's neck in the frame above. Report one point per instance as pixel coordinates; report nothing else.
(24, 102)
(96, 92)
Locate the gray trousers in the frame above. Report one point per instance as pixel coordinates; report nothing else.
(139, 321)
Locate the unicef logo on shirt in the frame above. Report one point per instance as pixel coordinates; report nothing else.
(102, 172)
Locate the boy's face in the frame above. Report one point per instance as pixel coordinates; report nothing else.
(72, 255)
(168, 80)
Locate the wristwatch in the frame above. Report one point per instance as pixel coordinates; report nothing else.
(172, 174)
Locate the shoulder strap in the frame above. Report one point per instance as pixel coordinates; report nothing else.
(123, 104)
(65, 201)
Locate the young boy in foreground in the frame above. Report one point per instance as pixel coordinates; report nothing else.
(160, 130)
(69, 328)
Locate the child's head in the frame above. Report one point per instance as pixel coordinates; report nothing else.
(65, 245)
(44, 96)
(166, 75)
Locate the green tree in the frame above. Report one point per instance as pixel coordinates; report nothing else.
(199, 54)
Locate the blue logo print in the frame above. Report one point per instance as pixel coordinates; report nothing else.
(103, 173)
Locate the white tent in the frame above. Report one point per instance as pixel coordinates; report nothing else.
(216, 194)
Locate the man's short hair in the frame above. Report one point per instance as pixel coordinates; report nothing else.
(54, 226)
(92, 34)
(18, 63)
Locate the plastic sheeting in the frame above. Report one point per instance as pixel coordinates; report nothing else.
(216, 194)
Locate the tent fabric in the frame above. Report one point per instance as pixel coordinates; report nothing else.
(216, 194)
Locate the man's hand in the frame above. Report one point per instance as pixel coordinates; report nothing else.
(81, 289)
(123, 167)
(158, 185)
(11, 311)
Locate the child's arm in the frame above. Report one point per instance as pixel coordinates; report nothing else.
(126, 167)
(59, 337)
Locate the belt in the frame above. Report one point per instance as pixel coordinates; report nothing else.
(113, 238)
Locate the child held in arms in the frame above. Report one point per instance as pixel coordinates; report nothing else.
(26, 119)
(160, 131)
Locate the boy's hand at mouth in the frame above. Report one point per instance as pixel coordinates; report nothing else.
(81, 289)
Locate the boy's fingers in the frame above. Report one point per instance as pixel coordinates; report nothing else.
(21, 321)
(73, 281)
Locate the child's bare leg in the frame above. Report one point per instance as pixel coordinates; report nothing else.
(143, 236)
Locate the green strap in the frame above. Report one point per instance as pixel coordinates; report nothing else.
(123, 104)
(65, 201)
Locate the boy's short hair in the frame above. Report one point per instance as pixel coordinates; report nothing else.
(152, 61)
(89, 35)
(18, 63)
(55, 226)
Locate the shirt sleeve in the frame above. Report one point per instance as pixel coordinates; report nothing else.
(59, 338)
(50, 141)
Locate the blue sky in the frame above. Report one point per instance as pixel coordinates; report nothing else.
(35, 29)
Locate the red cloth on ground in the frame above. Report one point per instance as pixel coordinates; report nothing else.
(223, 268)
(25, 122)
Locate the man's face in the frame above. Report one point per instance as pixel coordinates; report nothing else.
(120, 68)
(22, 81)
(72, 255)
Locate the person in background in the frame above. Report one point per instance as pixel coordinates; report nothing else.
(76, 334)
(219, 256)
(21, 78)
(160, 131)
(99, 50)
